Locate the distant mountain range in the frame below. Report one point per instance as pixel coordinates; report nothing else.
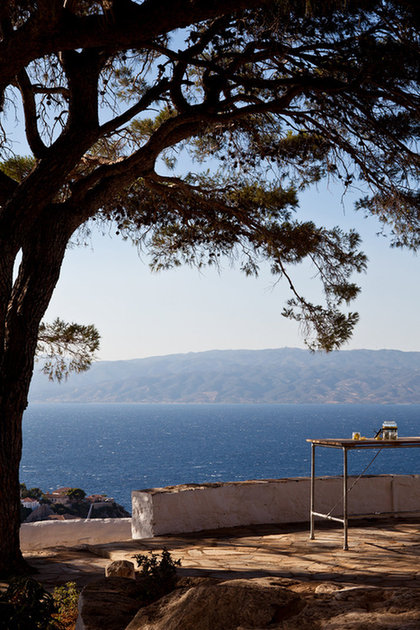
(285, 375)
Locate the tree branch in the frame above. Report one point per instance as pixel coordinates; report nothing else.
(128, 28)
(150, 97)
(7, 187)
(43, 89)
(174, 130)
(5, 23)
(82, 70)
(66, 348)
(38, 148)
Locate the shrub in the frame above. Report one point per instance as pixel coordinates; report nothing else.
(158, 577)
(26, 605)
(66, 600)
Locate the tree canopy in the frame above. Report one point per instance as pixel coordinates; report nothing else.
(76, 494)
(262, 98)
(66, 348)
(276, 94)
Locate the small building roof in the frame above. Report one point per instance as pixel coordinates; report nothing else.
(63, 490)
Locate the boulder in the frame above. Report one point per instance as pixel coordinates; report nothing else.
(228, 605)
(358, 607)
(245, 604)
(358, 619)
(40, 513)
(120, 568)
(108, 604)
(326, 588)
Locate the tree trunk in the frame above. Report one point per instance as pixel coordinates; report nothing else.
(42, 256)
(11, 560)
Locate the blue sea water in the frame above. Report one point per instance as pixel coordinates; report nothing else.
(117, 448)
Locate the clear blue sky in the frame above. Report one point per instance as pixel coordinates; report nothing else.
(140, 313)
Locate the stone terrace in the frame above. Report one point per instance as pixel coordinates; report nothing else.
(385, 553)
(374, 585)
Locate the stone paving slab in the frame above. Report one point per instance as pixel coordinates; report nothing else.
(56, 566)
(385, 553)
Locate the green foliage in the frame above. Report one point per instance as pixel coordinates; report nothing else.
(252, 223)
(25, 605)
(18, 167)
(76, 494)
(158, 577)
(329, 327)
(144, 128)
(66, 600)
(66, 348)
(33, 493)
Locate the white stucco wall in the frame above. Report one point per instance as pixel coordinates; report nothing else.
(72, 533)
(190, 508)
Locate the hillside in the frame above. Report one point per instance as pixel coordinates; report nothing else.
(286, 375)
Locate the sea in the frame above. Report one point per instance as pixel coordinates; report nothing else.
(116, 448)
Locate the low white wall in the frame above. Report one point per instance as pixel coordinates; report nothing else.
(74, 532)
(190, 508)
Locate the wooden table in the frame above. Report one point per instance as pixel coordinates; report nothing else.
(347, 445)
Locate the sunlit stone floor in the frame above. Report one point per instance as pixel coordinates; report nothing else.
(381, 553)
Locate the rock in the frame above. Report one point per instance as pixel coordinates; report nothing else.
(120, 568)
(326, 588)
(110, 510)
(361, 592)
(246, 604)
(356, 620)
(108, 604)
(229, 605)
(360, 608)
(40, 513)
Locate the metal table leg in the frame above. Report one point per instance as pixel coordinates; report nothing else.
(312, 531)
(345, 517)
(313, 513)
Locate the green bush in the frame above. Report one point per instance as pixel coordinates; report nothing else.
(158, 577)
(66, 600)
(76, 494)
(26, 605)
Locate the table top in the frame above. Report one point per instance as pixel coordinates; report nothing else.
(366, 443)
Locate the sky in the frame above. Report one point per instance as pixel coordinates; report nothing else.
(140, 313)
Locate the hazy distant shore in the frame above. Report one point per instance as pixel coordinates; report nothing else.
(286, 375)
